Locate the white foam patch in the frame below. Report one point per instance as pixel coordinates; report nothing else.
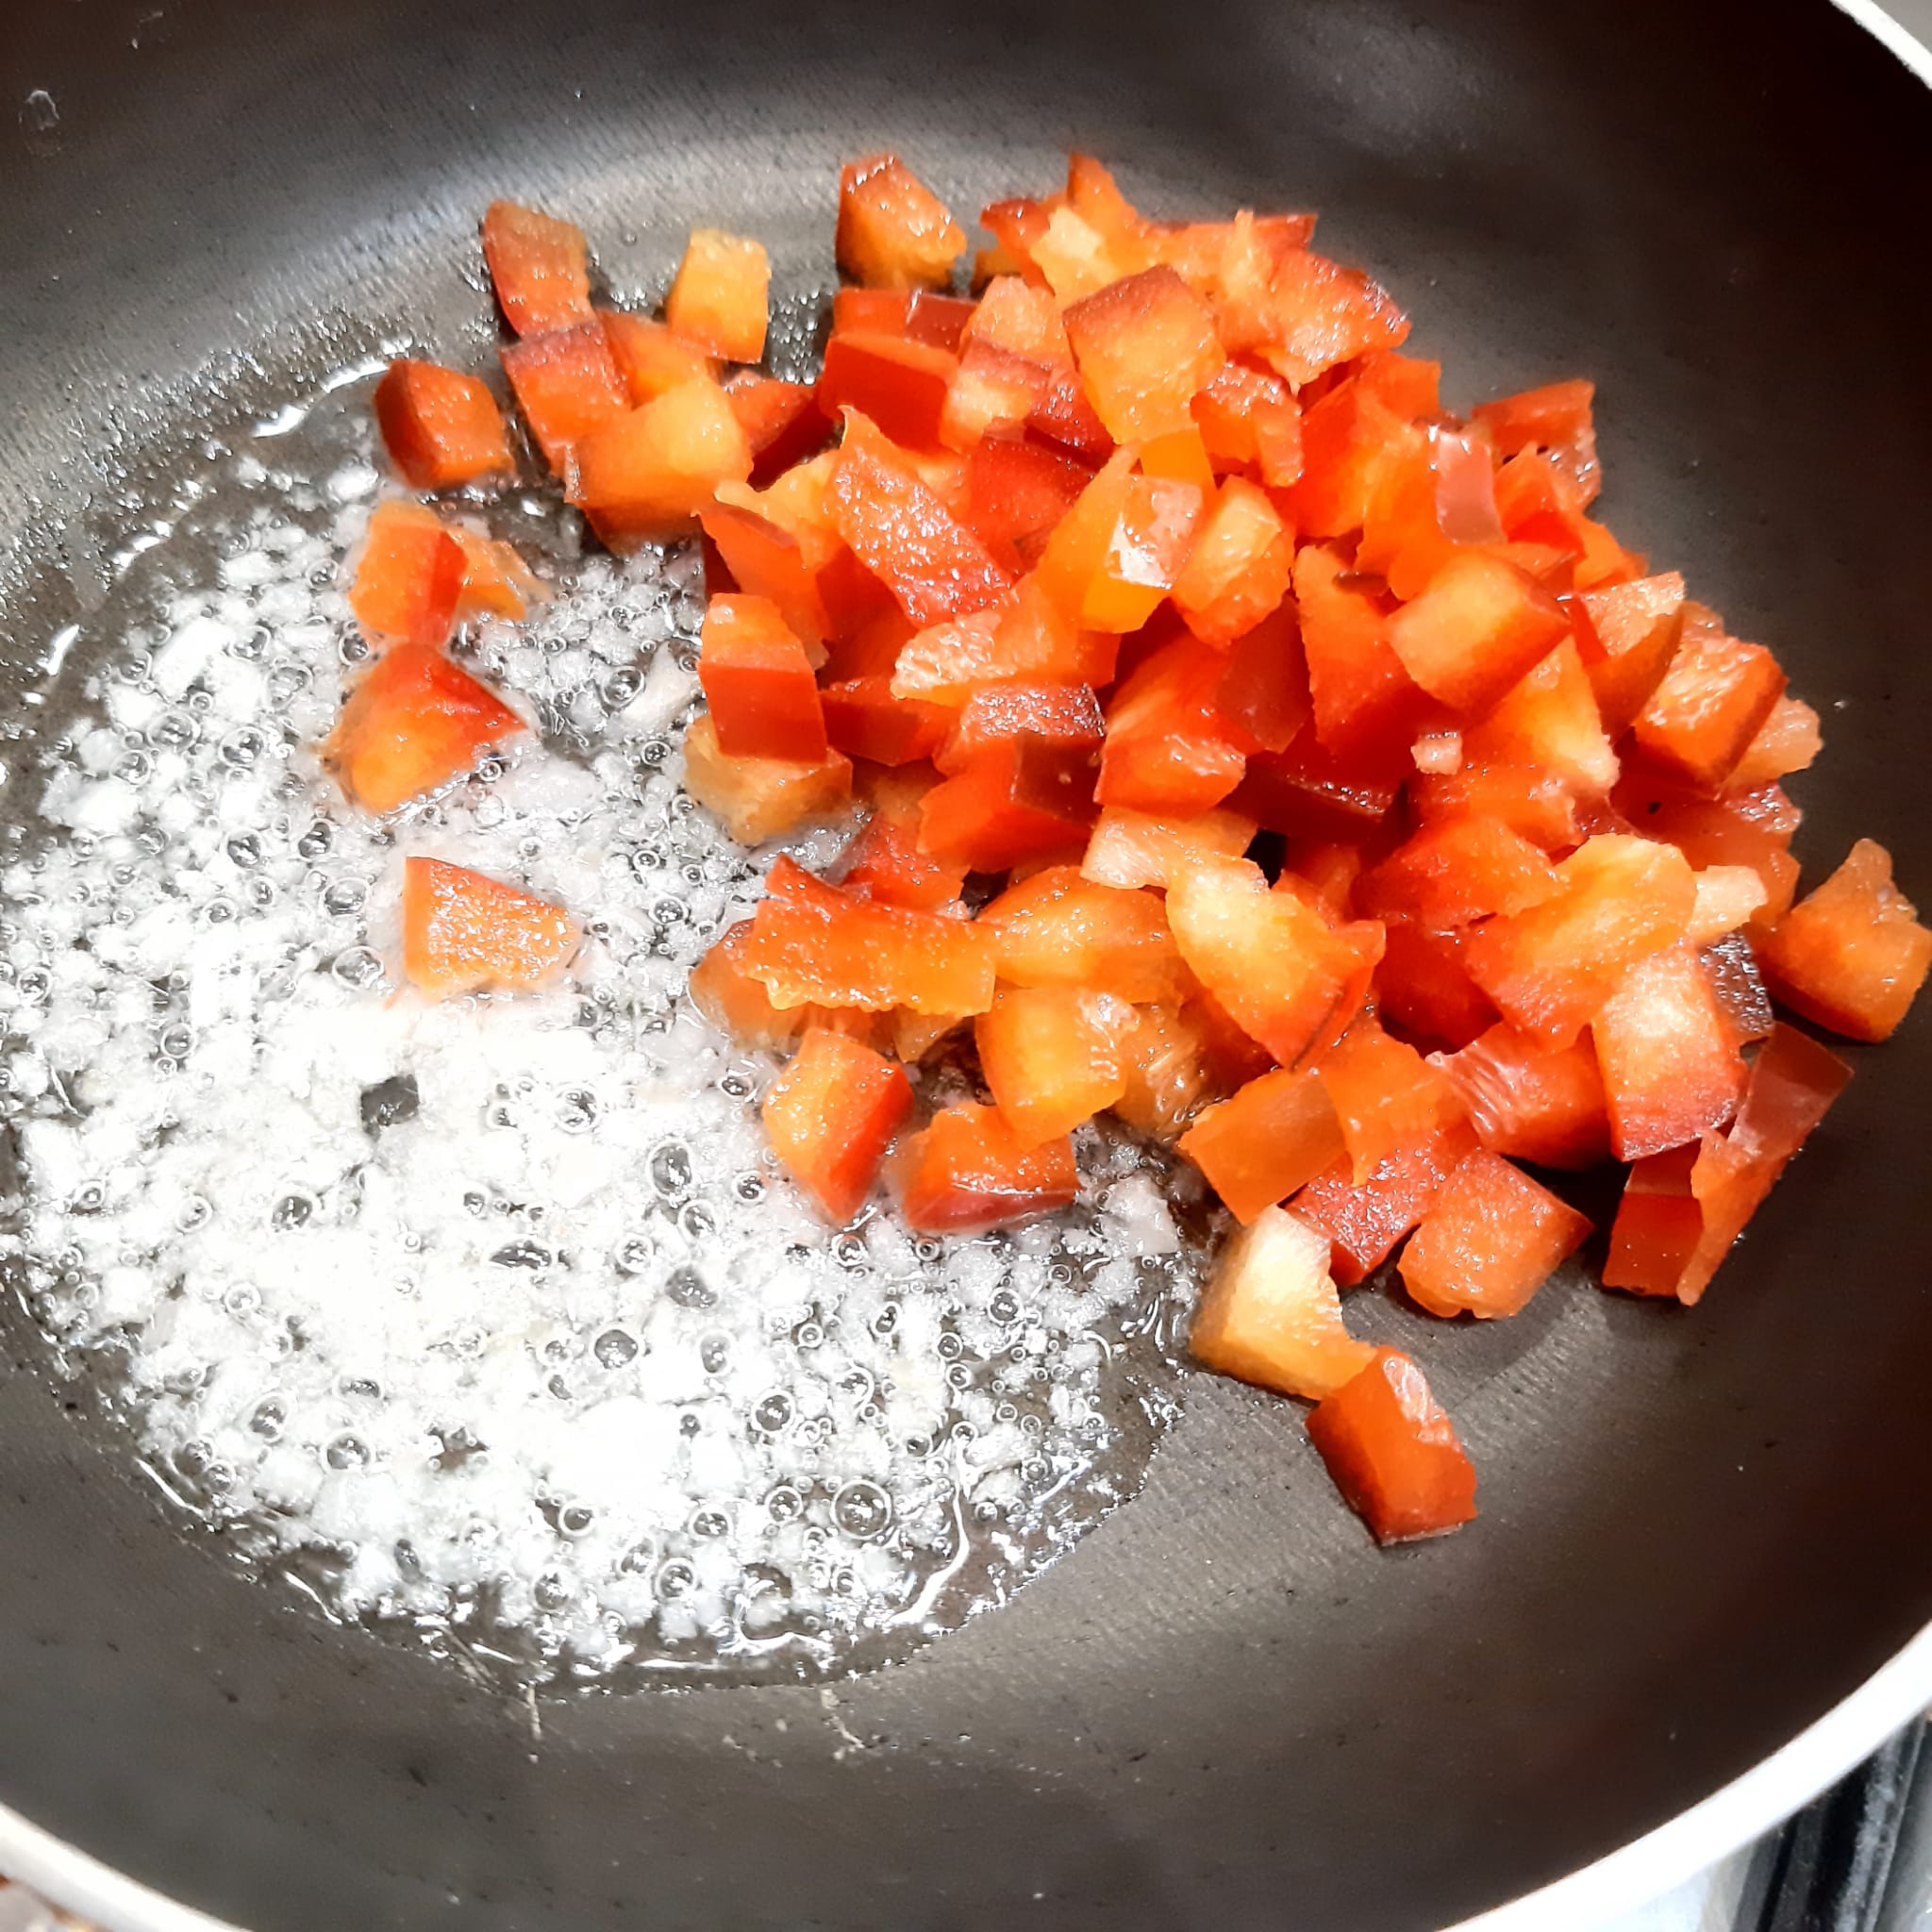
(498, 1302)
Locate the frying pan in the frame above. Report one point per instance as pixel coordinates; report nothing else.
(1702, 1531)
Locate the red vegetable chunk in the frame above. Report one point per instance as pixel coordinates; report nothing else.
(539, 267)
(410, 577)
(759, 683)
(1530, 1101)
(966, 1174)
(442, 429)
(568, 386)
(1670, 1061)
(1364, 1222)
(1393, 1454)
(900, 531)
(414, 722)
(463, 932)
(1145, 347)
(1490, 1239)
(830, 1116)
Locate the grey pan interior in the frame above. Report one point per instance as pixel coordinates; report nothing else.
(1226, 1708)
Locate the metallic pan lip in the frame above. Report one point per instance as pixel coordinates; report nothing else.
(1626, 1878)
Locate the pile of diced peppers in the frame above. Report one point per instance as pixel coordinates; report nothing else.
(1251, 750)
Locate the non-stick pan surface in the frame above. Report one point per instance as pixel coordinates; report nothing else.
(1226, 1708)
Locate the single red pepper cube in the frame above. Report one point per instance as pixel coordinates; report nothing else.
(1852, 955)
(1555, 419)
(1166, 750)
(1239, 568)
(1637, 625)
(410, 577)
(1365, 1221)
(1490, 1239)
(1550, 722)
(1250, 420)
(1016, 494)
(1065, 418)
(918, 314)
(907, 537)
(1726, 831)
(1658, 1226)
(1670, 1061)
(885, 861)
(759, 683)
(1024, 637)
(893, 231)
(1306, 793)
(463, 932)
(735, 1002)
(1707, 706)
(1422, 988)
(1787, 742)
(993, 390)
(1267, 1141)
(830, 1116)
(1364, 700)
(413, 722)
(865, 720)
(652, 360)
(1435, 500)
(1535, 803)
(1263, 696)
(766, 561)
(647, 474)
(967, 1174)
(1385, 1095)
(1145, 346)
(1456, 871)
(1016, 225)
(568, 386)
(1270, 959)
(720, 298)
(1131, 849)
(1052, 1058)
(1144, 553)
(1350, 438)
(1532, 1102)
(1394, 1453)
(782, 422)
(1551, 968)
(1538, 503)
(1024, 798)
(539, 266)
(900, 383)
(812, 942)
(757, 799)
(440, 428)
(1477, 629)
(1055, 928)
(1320, 313)
(1066, 715)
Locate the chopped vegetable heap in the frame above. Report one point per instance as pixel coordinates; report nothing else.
(1250, 749)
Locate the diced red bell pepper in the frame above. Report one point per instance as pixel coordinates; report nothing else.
(1078, 260)
(1539, 504)
(1266, 1143)
(1364, 1223)
(440, 428)
(495, 580)
(919, 315)
(1682, 1210)
(1726, 831)
(1239, 568)
(1145, 553)
(1787, 742)
(1711, 704)
(1363, 696)
(1024, 798)
(782, 421)
(966, 1174)
(1306, 793)
(1263, 697)
(1168, 1069)
(830, 1116)
(1670, 1061)
(992, 391)
(1852, 955)
(1145, 346)
(1385, 1096)
(1549, 969)
(1477, 629)
(865, 720)
(1269, 957)
(886, 863)
(1527, 799)
(1739, 985)
(1555, 419)
(1394, 1453)
(1422, 988)
(568, 386)
(539, 267)
(1490, 1239)
(1434, 498)
(1130, 849)
(648, 474)
(893, 231)
(1457, 871)
(1533, 1102)
(1636, 628)
(1016, 494)
(1550, 722)
(812, 942)
(735, 1002)
(720, 298)
(1250, 418)
(1052, 1056)
(759, 683)
(463, 932)
(1181, 457)
(1270, 1315)
(758, 798)
(413, 722)
(1066, 715)
(1016, 225)
(1320, 313)
(650, 359)
(767, 560)
(409, 578)
(1350, 439)
(1167, 749)
(900, 531)
(897, 381)
(1024, 639)
(1056, 929)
